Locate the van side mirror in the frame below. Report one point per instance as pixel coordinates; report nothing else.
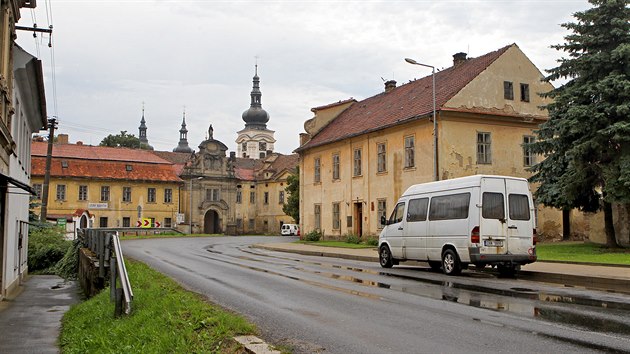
(383, 221)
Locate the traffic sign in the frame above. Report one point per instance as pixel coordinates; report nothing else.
(157, 224)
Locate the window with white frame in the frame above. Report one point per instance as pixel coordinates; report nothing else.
(529, 158)
(104, 193)
(484, 145)
(335, 166)
(381, 160)
(317, 170)
(83, 192)
(336, 218)
(213, 195)
(61, 192)
(357, 162)
(126, 197)
(168, 195)
(151, 195)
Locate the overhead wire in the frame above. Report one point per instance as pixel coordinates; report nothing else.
(34, 18)
(53, 75)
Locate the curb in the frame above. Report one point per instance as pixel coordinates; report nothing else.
(598, 283)
(255, 345)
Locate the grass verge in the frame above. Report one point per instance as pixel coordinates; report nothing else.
(165, 318)
(582, 252)
(339, 244)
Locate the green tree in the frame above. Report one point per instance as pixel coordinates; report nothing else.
(121, 140)
(586, 140)
(292, 206)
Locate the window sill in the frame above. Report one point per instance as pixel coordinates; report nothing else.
(382, 173)
(412, 168)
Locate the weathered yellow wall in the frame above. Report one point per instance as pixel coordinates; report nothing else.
(323, 117)
(117, 209)
(486, 90)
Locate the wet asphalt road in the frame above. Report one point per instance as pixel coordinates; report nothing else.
(316, 304)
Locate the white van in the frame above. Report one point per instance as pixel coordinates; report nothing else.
(481, 220)
(290, 230)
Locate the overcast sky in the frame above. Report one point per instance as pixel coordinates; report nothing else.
(110, 56)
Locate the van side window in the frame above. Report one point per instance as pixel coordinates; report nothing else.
(397, 214)
(519, 206)
(446, 207)
(417, 210)
(492, 206)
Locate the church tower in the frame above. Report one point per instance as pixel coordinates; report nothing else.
(142, 133)
(255, 141)
(183, 138)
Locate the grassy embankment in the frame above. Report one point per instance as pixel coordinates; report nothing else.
(165, 318)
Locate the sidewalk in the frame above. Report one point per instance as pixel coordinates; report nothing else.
(30, 322)
(602, 277)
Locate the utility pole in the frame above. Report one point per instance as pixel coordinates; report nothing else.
(52, 124)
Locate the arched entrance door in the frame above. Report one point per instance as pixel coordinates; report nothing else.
(83, 224)
(211, 224)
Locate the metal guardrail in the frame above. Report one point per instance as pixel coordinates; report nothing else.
(106, 246)
(118, 268)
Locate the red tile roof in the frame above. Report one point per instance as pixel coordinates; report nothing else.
(104, 169)
(89, 152)
(404, 103)
(333, 104)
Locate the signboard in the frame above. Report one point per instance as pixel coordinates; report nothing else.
(144, 223)
(61, 222)
(97, 205)
(180, 218)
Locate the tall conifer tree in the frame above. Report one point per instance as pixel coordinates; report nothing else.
(586, 140)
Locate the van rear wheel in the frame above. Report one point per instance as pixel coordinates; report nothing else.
(450, 263)
(385, 257)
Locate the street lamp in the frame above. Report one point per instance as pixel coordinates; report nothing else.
(191, 204)
(436, 177)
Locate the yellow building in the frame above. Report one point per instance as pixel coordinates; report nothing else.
(358, 157)
(96, 186)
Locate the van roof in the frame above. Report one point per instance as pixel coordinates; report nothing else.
(455, 183)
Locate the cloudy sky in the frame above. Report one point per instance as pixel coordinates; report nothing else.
(111, 56)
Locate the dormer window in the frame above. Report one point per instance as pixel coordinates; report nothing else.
(64, 164)
(129, 168)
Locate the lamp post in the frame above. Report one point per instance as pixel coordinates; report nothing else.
(436, 177)
(191, 204)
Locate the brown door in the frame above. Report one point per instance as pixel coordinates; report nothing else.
(358, 218)
(211, 224)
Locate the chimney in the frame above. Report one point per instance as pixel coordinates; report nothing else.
(390, 85)
(62, 139)
(459, 58)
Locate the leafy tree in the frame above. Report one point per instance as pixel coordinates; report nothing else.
(586, 140)
(121, 140)
(292, 207)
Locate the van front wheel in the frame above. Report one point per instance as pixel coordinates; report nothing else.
(450, 263)
(385, 257)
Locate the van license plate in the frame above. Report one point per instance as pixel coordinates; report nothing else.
(492, 243)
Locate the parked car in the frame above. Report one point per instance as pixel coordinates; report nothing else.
(481, 220)
(290, 230)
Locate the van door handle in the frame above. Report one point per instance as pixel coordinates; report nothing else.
(512, 227)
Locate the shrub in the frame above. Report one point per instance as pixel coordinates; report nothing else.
(313, 236)
(371, 241)
(354, 239)
(46, 246)
(68, 266)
